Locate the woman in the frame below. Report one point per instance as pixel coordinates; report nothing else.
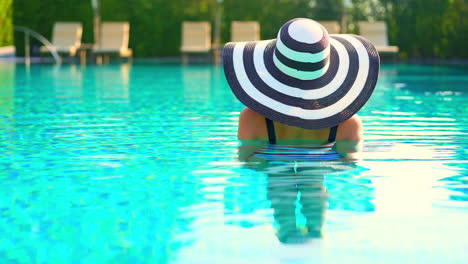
(305, 87)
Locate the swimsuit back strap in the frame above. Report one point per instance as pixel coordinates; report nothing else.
(332, 135)
(271, 131)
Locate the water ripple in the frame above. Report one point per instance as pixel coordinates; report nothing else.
(139, 163)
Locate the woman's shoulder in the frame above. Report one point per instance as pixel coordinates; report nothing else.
(251, 125)
(350, 129)
(247, 113)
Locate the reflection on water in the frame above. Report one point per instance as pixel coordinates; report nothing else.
(7, 88)
(61, 87)
(112, 83)
(68, 84)
(7, 107)
(298, 190)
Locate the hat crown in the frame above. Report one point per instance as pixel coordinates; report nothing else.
(302, 49)
(306, 31)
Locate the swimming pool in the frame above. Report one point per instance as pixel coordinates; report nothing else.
(138, 164)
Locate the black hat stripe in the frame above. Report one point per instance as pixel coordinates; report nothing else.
(299, 74)
(303, 66)
(301, 56)
(297, 83)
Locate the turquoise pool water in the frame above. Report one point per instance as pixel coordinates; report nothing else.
(138, 164)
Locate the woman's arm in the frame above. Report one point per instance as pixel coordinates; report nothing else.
(350, 129)
(252, 128)
(349, 137)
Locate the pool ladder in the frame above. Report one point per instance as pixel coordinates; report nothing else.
(29, 32)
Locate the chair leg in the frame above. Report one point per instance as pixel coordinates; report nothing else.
(184, 59)
(216, 56)
(82, 56)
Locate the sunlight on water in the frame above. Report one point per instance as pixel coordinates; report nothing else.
(138, 164)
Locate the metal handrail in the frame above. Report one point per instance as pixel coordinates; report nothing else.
(42, 39)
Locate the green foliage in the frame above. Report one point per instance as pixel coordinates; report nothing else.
(40, 16)
(271, 14)
(429, 28)
(326, 9)
(155, 25)
(6, 23)
(363, 10)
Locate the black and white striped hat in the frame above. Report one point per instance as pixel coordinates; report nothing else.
(304, 78)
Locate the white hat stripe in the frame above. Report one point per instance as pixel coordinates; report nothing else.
(315, 114)
(301, 56)
(318, 93)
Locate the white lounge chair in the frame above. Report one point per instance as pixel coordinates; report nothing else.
(376, 32)
(245, 31)
(66, 38)
(113, 40)
(196, 38)
(333, 27)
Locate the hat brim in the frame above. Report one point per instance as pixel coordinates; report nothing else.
(320, 103)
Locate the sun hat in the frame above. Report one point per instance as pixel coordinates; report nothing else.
(305, 77)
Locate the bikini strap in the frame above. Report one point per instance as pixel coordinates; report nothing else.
(332, 135)
(271, 131)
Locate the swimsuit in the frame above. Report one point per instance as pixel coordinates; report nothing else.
(297, 152)
(272, 134)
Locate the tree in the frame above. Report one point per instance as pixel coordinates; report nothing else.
(6, 23)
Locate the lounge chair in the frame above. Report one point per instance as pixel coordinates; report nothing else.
(376, 32)
(333, 27)
(196, 38)
(66, 38)
(113, 40)
(245, 31)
